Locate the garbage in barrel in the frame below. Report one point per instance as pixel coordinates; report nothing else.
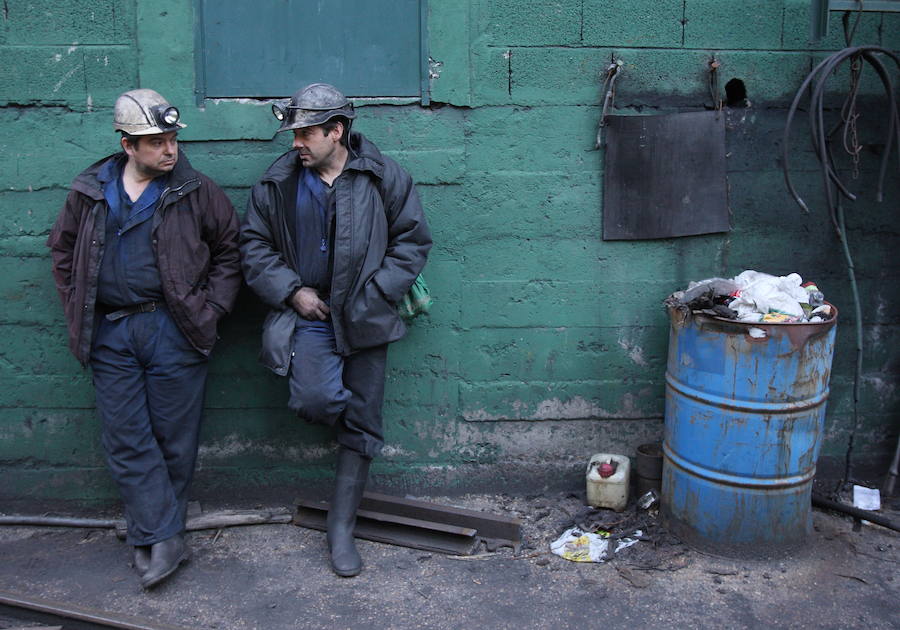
(745, 411)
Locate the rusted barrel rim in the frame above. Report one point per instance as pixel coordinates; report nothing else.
(799, 333)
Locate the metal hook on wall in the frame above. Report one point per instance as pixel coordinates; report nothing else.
(713, 81)
(609, 95)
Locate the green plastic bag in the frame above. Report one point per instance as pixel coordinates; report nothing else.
(416, 301)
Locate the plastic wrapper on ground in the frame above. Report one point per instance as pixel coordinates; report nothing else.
(579, 546)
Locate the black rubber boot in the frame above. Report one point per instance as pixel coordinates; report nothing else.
(165, 558)
(141, 559)
(349, 483)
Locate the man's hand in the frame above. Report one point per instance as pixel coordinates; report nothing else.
(307, 303)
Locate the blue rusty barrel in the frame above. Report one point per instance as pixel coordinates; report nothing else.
(744, 423)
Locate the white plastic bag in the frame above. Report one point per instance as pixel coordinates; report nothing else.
(761, 294)
(579, 546)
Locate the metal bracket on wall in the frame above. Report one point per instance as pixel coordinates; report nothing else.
(818, 15)
(420, 524)
(714, 65)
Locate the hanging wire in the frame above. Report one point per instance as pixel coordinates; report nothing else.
(849, 116)
(834, 187)
(850, 32)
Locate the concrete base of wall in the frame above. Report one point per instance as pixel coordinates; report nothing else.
(522, 478)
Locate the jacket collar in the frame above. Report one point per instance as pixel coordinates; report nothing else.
(90, 181)
(365, 156)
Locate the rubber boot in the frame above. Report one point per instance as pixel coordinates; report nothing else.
(349, 483)
(141, 559)
(165, 558)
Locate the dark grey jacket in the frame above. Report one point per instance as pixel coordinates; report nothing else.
(381, 242)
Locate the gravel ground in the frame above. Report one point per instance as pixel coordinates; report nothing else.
(276, 577)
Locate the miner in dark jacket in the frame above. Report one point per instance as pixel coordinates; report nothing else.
(333, 238)
(146, 261)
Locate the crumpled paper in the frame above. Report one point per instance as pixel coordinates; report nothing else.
(579, 546)
(866, 498)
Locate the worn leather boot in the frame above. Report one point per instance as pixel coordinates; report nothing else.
(165, 558)
(349, 483)
(141, 559)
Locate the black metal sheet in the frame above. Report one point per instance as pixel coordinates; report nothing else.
(492, 527)
(420, 524)
(665, 176)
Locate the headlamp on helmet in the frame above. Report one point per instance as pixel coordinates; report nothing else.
(280, 110)
(165, 115)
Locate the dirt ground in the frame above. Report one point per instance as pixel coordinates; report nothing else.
(273, 577)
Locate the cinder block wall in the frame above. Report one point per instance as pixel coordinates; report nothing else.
(545, 344)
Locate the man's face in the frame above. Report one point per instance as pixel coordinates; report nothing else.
(314, 147)
(153, 155)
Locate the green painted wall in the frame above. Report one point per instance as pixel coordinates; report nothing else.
(546, 344)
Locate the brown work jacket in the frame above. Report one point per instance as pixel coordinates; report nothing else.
(194, 235)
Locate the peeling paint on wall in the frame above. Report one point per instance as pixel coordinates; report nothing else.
(635, 352)
(234, 445)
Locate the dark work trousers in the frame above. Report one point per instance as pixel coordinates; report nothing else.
(344, 392)
(149, 382)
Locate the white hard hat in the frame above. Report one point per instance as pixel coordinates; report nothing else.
(144, 112)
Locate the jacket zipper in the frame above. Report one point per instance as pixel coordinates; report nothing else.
(167, 190)
(174, 307)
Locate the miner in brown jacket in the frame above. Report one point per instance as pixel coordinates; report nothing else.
(146, 262)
